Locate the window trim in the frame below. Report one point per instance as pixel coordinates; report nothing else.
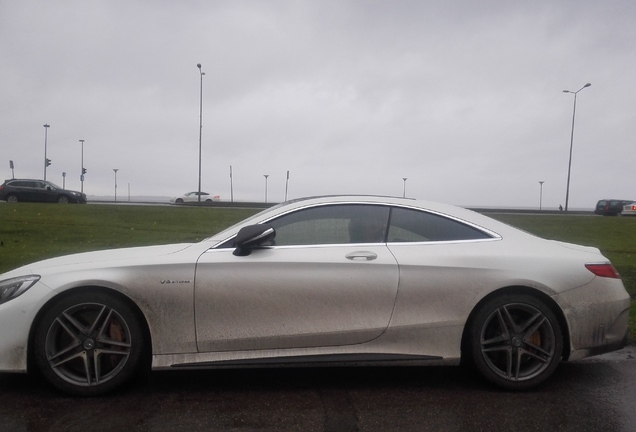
(493, 235)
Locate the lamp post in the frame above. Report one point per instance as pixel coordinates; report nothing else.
(286, 185)
(265, 175)
(541, 194)
(567, 190)
(115, 169)
(201, 73)
(46, 161)
(231, 186)
(83, 170)
(404, 190)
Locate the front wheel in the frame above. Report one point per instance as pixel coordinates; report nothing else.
(88, 344)
(516, 341)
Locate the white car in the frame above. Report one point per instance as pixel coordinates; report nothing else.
(330, 280)
(194, 197)
(629, 209)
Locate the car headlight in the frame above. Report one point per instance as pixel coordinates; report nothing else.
(12, 288)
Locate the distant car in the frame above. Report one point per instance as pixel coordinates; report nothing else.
(352, 280)
(610, 207)
(16, 190)
(194, 197)
(629, 209)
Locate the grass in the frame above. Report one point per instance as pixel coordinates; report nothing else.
(31, 232)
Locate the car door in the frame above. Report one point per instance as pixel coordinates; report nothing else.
(319, 284)
(27, 190)
(43, 192)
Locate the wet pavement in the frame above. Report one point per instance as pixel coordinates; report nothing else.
(597, 394)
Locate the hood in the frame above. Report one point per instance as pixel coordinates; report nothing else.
(98, 259)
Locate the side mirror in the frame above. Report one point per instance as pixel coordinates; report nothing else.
(251, 237)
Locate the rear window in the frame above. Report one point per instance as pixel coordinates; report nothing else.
(417, 226)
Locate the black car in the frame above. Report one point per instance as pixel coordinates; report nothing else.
(610, 207)
(15, 190)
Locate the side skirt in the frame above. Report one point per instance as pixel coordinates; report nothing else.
(316, 360)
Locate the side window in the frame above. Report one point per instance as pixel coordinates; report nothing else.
(332, 224)
(418, 226)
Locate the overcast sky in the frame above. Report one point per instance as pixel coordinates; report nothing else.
(463, 98)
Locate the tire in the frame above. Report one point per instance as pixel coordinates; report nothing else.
(88, 344)
(179, 201)
(12, 198)
(516, 341)
(62, 199)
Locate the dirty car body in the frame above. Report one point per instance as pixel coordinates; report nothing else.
(346, 280)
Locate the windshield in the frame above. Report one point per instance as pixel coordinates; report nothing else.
(258, 215)
(54, 186)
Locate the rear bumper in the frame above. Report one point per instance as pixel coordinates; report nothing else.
(597, 316)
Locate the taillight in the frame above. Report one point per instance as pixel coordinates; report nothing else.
(603, 270)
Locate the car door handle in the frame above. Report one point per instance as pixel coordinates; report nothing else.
(361, 256)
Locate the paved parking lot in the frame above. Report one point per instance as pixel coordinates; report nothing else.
(595, 394)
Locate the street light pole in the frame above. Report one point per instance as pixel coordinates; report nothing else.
(82, 172)
(567, 190)
(115, 169)
(231, 186)
(541, 194)
(200, 125)
(265, 175)
(46, 161)
(404, 190)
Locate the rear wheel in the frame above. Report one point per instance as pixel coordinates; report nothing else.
(88, 344)
(12, 198)
(517, 341)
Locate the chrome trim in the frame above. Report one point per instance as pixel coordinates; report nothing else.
(495, 236)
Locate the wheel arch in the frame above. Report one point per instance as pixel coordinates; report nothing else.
(539, 295)
(147, 354)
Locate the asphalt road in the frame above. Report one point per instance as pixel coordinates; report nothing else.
(597, 394)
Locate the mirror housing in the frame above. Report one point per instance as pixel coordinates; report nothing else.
(251, 237)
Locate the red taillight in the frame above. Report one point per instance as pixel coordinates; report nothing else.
(603, 270)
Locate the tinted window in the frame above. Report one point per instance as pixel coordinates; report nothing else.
(417, 226)
(332, 224)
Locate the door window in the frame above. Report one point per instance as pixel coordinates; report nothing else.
(332, 224)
